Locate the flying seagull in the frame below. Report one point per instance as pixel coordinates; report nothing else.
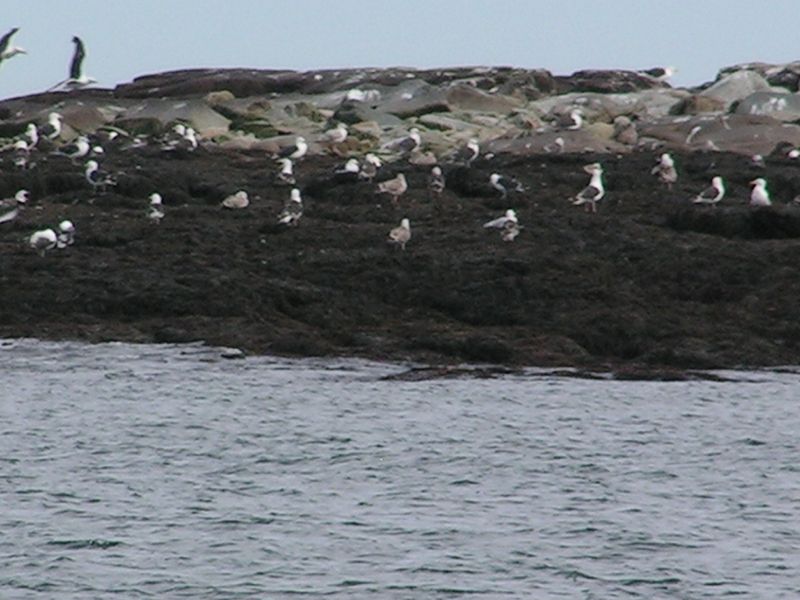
(395, 187)
(156, 210)
(594, 192)
(292, 210)
(296, 150)
(712, 194)
(43, 240)
(502, 184)
(665, 169)
(759, 196)
(400, 235)
(237, 200)
(5, 50)
(77, 79)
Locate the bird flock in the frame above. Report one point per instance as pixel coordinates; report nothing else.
(39, 143)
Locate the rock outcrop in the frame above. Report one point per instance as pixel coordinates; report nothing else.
(652, 279)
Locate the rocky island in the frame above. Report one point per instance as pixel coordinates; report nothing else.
(651, 279)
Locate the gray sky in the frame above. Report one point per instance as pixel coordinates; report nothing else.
(128, 38)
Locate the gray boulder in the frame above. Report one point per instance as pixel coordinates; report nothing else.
(778, 105)
(736, 86)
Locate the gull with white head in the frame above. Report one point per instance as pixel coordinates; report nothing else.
(712, 194)
(237, 200)
(292, 209)
(759, 196)
(594, 192)
(395, 187)
(401, 235)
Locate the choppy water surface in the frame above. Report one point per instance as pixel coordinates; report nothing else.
(166, 472)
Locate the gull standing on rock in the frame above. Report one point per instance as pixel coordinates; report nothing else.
(573, 120)
(286, 174)
(16, 203)
(712, 194)
(400, 235)
(508, 225)
(155, 212)
(76, 149)
(295, 151)
(292, 210)
(405, 144)
(467, 154)
(370, 166)
(503, 184)
(594, 192)
(5, 50)
(97, 178)
(43, 240)
(436, 181)
(66, 234)
(665, 169)
(759, 196)
(395, 187)
(21, 154)
(32, 135)
(52, 129)
(557, 147)
(333, 137)
(237, 200)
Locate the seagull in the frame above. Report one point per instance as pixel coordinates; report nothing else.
(5, 50)
(98, 178)
(499, 223)
(335, 136)
(405, 144)
(52, 129)
(508, 225)
(712, 194)
(21, 154)
(436, 181)
(394, 187)
(16, 203)
(296, 150)
(660, 73)
(400, 235)
(76, 149)
(350, 171)
(467, 154)
(292, 210)
(370, 166)
(502, 184)
(32, 133)
(572, 120)
(557, 147)
(77, 79)
(21, 197)
(665, 169)
(237, 200)
(43, 240)
(625, 131)
(156, 210)
(286, 174)
(759, 196)
(66, 234)
(594, 192)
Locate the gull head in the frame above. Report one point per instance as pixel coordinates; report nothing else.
(155, 199)
(295, 195)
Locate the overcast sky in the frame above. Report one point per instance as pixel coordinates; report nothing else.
(128, 38)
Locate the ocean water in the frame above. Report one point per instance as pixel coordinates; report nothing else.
(137, 471)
